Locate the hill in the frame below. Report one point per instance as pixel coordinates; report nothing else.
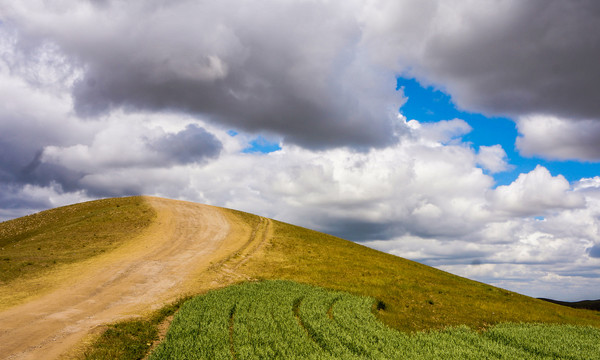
(584, 304)
(158, 250)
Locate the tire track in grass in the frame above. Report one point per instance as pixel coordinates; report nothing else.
(330, 310)
(231, 331)
(296, 311)
(228, 267)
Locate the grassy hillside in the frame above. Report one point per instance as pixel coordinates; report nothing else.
(34, 245)
(416, 297)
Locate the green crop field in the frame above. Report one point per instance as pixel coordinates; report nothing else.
(288, 320)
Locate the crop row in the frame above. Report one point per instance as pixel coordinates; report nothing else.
(287, 320)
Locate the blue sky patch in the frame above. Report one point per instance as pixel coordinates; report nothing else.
(427, 104)
(261, 145)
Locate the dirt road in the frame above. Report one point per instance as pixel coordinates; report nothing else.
(145, 273)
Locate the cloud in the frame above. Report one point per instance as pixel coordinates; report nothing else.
(124, 146)
(21, 200)
(293, 68)
(444, 131)
(492, 158)
(552, 137)
(536, 281)
(321, 74)
(44, 145)
(191, 145)
(536, 193)
(594, 251)
(31, 119)
(500, 58)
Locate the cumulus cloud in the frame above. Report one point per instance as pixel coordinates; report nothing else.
(492, 158)
(191, 145)
(552, 137)
(535, 193)
(44, 145)
(441, 132)
(594, 251)
(319, 73)
(31, 119)
(136, 144)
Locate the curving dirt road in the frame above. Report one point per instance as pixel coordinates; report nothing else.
(144, 274)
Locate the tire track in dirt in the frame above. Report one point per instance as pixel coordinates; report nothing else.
(228, 267)
(226, 271)
(143, 274)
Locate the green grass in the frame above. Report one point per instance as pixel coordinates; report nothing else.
(287, 320)
(34, 244)
(416, 297)
(131, 339)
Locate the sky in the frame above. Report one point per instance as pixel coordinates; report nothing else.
(464, 135)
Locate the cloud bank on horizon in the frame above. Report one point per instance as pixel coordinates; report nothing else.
(111, 98)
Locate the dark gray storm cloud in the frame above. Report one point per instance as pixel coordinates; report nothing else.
(20, 164)
(191, 145)
(13, 202)
(520, 57)
(594, 251)
(21, 149)
(292, 68)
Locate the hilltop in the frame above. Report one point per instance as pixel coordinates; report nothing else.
(111, 259)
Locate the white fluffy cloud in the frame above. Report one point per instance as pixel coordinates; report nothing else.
(492, 158)
(536, 193)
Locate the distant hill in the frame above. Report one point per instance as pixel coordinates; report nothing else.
(584, 304)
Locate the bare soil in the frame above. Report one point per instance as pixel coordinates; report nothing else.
(148, 272)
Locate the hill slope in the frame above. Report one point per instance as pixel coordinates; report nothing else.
(176, 248)
(416, 296)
